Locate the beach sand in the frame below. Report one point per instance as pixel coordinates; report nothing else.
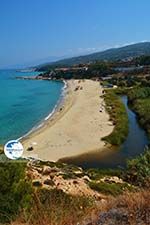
(76, 128)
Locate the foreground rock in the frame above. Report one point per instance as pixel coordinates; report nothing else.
(71, 180)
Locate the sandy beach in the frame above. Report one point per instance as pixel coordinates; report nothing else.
(76, 128)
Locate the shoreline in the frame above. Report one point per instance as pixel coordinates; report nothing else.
(42, 123)
(47, 142)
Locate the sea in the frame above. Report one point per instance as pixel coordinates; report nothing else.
(25, 104)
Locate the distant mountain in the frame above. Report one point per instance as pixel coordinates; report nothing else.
(129, 51)
(47, 60)
(34, 63)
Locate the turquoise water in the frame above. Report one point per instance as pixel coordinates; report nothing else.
(24, 103)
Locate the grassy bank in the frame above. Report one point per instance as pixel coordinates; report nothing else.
(118, 115)
(139, 99)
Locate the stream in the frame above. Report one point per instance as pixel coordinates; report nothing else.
(134, 145)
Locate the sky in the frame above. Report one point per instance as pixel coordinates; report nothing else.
(32, 31)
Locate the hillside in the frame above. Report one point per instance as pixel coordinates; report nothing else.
(47, 193)
(121, 53)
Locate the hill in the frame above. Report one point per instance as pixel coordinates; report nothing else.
(43, 193)
(122, 53)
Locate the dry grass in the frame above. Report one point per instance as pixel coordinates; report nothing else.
(135, 207)
(57, 208)
(126, 209)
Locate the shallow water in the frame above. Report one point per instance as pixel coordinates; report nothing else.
(116, 157)
(24, 103)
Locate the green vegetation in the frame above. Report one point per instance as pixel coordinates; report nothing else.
(124, 81)
(143, 60)
(96, 174)
(139, 98)
(142, 108)
(118, 115)
(110, 188)
(136, 175)
(69, 175)
(40, 206)
(139, 93)
(97, 69)
(15, 190)
(115, 54)
(138, 170)
(19, 199)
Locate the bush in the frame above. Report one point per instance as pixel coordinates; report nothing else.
(110, 188)
(96, 174)
(138, 170)
(139, 99)
(15, 190)
(138, 93)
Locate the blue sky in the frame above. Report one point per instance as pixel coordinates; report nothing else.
(31, 30)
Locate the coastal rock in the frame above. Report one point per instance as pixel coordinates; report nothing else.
(113, 179)
(48, 170)
(39, 170)
(86, 178)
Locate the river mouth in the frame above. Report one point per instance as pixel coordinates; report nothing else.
(115, 157)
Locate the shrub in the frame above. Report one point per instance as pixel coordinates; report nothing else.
(15, 190)
(138, 170)
(96, 174)
(139, 99)
(110, 188)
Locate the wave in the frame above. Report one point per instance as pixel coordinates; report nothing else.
(56, 107)
(59, 102)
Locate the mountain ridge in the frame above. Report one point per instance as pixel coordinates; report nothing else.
(121, 53)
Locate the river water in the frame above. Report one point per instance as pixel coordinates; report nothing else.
(135, 144)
